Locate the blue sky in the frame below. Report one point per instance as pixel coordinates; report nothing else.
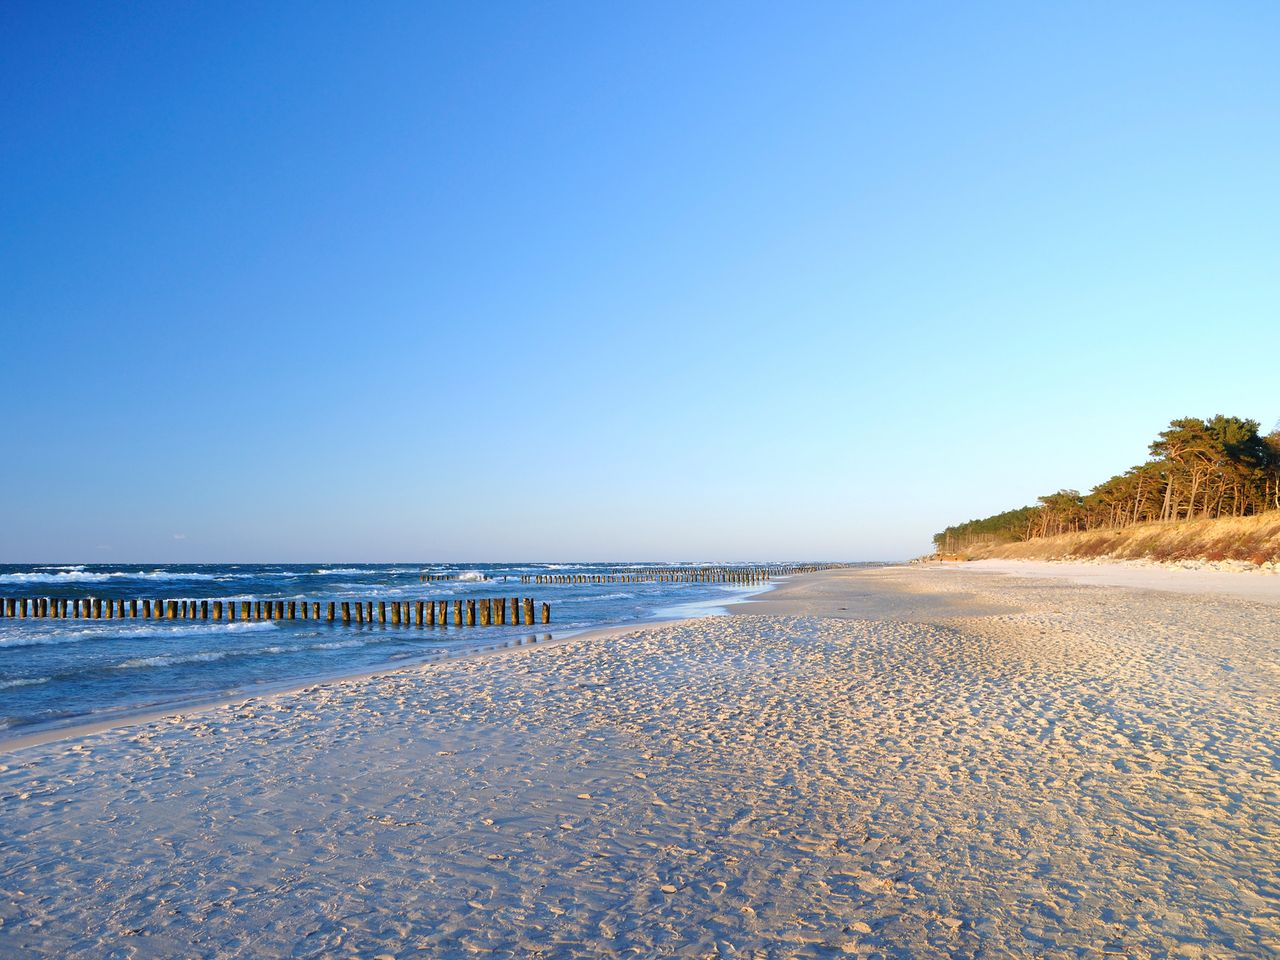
(500, 281)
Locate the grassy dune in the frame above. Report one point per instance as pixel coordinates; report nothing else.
(1253, 539)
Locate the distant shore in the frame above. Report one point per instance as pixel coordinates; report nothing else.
(924, 761)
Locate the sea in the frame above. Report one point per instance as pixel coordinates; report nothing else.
(59, 673)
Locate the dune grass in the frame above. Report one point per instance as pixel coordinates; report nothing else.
(1252, 539)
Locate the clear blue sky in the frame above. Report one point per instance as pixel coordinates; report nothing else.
(496, 281)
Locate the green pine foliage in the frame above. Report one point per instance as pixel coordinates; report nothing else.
(1196, 469)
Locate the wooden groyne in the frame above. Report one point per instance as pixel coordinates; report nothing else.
(738, 575)
(484, 611)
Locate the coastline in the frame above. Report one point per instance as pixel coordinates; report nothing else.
(77, 717)
(956, 762)
(46, 735)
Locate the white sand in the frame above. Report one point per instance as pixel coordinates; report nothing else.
(1022, 768)
(1199, 577)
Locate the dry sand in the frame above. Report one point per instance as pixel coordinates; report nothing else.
(929, 762)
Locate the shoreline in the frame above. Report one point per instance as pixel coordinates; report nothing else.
(877, 762)
(35, 735)
(775, 598)
(144, 716)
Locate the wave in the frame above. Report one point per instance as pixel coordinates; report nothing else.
(22, 682)
(328, 571)
(209, 656)
(300, 647)
(136, 631)
(89, 576)
(169, 659)
(593, 599)
(472, 576)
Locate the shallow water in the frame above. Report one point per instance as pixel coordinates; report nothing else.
(61, 672)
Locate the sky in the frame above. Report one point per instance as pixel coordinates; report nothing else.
(717, 281)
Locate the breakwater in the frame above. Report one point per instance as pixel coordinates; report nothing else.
(747, 576)
(483, 611)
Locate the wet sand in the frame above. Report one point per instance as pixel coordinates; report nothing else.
(899, 762)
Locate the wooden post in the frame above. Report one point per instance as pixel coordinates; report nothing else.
(217, 609)
(418, 612)
(546, 613)
(346, 611)
(246, 610)
(500, 611)
(431, 613)
(395, 613)
(204, 609)
(382, 611)
(293, 608)
(359, 611)
(528, 611)
(171, 609)
(457, 613)
(484, 613)
(331, 611)
(471, 613)
(315, 610)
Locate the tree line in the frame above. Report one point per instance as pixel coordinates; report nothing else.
(1222, 466)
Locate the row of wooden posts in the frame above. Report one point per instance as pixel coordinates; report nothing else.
(444, 577)
(482, 612)
(745, 575)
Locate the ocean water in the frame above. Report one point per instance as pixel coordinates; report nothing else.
(63, 672)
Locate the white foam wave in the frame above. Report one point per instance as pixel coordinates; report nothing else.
(93, 576)
(134, 630)
(208, 656)
(168, 660)
(472, 576)
(22, 682)
(593, 599)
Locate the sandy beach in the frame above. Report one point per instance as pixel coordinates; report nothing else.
(897, 762)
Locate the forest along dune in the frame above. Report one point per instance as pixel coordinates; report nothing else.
(902, 762)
